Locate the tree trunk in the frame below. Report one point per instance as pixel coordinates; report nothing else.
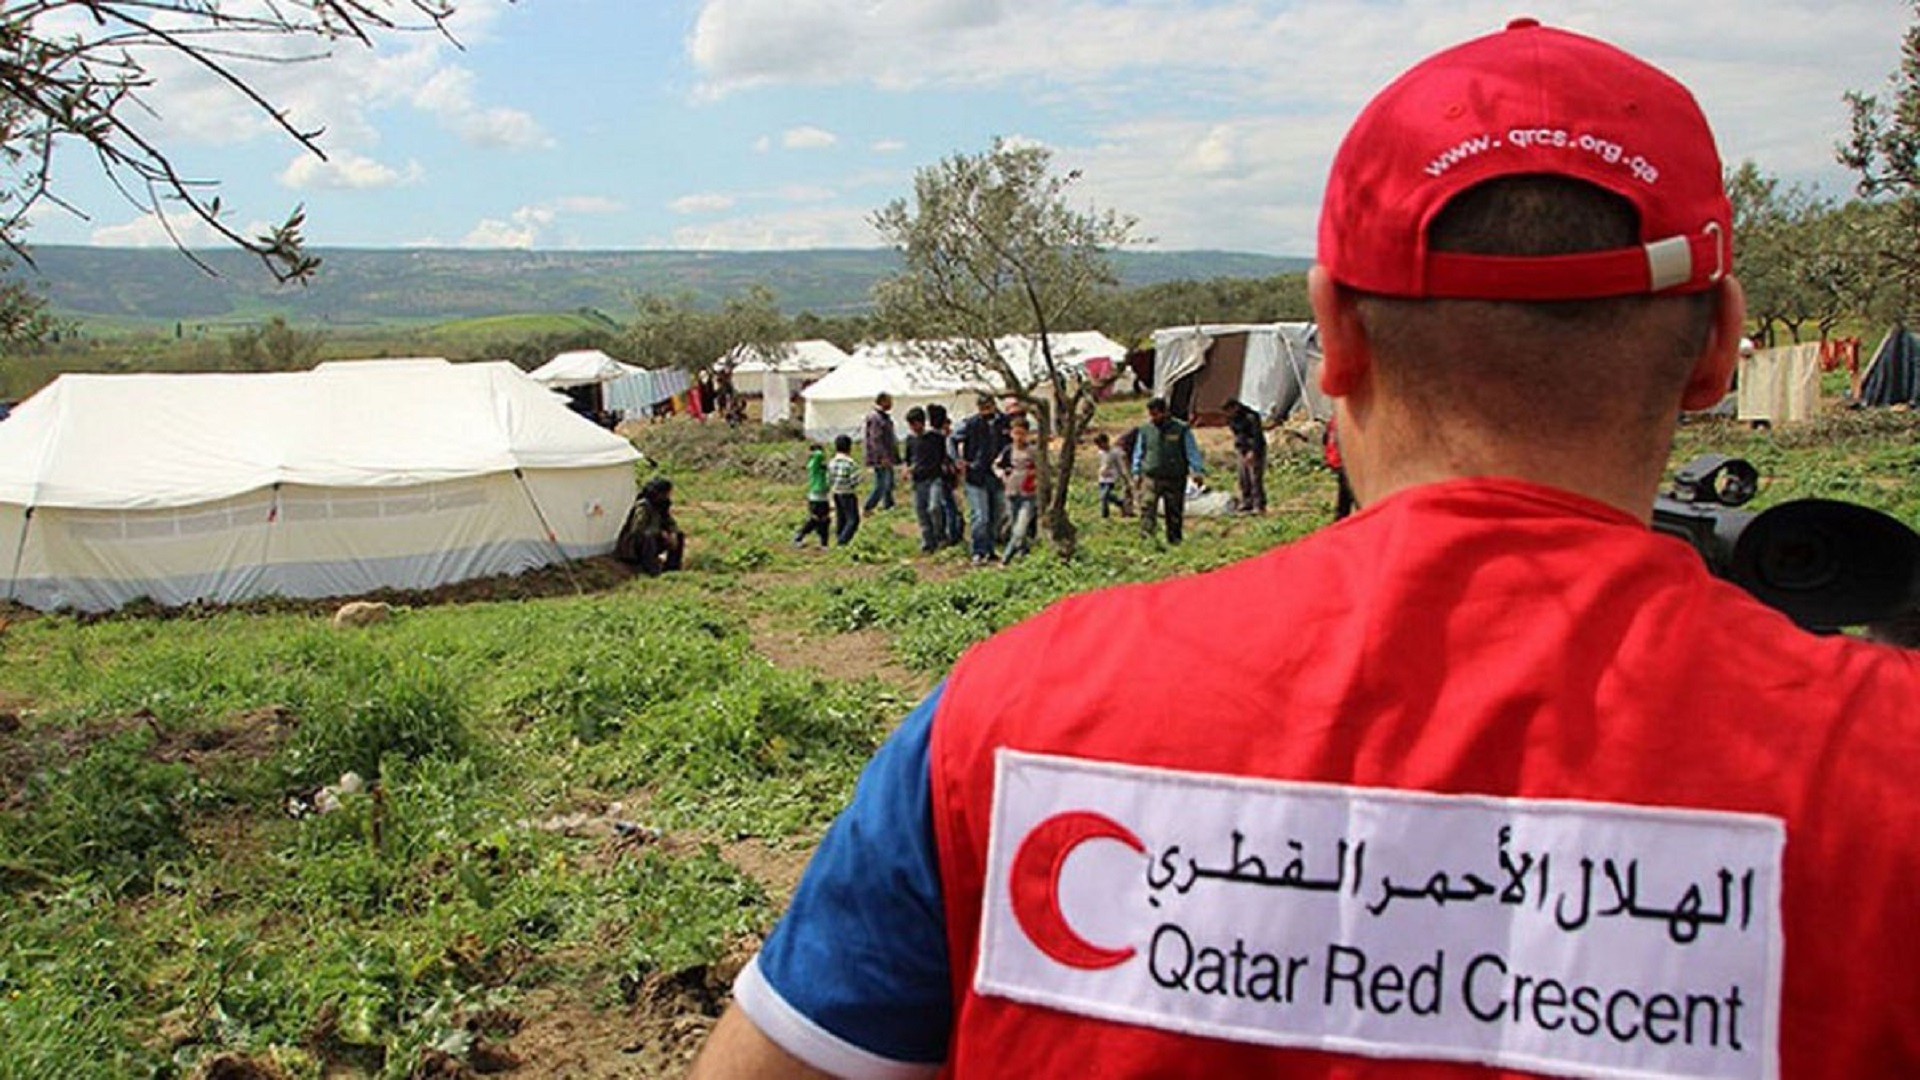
(1075, 413)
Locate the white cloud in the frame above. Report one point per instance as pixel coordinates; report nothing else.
(702, 204)
(524, 229)
(148, 230)
(337, 89)
(588, 204)
(807, 138)
(748, 42)
(762, 144)
(449, 94)
(794, 230)
(1251, 184)
(889, 146)
(1214, 120)
(347, 171)
(806, 193)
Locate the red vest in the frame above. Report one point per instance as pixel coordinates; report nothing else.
(1477, 637)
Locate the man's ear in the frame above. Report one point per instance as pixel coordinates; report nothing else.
(1713, 373)
(1343, 338)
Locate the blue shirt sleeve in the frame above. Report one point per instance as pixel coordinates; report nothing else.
(1139, 454)
(862, 950)
(1195, 462)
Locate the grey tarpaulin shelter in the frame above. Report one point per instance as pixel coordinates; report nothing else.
(1893, 375)
(1274, 368)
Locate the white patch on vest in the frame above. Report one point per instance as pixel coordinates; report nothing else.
(1569, 938)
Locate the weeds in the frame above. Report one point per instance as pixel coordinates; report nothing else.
(113, 818)
(158, 909)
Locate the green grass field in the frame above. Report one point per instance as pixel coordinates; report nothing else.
(580, 811)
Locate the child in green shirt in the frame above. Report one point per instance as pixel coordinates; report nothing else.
(817, 519)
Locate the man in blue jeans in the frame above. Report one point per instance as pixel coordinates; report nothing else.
(927, 466)
(982, 438)
(883, 451)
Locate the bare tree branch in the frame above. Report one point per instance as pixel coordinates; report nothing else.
(77, 71)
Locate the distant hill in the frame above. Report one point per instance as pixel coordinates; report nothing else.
(377, 288)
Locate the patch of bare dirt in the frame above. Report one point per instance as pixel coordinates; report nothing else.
(239, 1067)
(26, 749)
(585, 576)
(251, 736)
(858, 654)
(777, 869)
(656, 1033)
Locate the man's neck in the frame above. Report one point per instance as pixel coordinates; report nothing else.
(1620, 469)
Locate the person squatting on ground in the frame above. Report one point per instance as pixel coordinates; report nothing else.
(1113, 472)
(982, 439)
(927, 465)
(817, 520)
(882, 448)
(1488, 780)
(952, 523)
(843, 483)
(1165, 454)
(650, 540)
(1250, 446)
(1021, 474)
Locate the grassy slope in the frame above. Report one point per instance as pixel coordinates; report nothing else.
(161, 907)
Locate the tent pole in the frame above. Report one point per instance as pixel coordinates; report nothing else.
(273, 521)
(566, 564)
(19, 553)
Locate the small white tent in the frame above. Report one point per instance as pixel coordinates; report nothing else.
(333, 482)
(915, 373)
(1088, 351)
(838, 404)
(582, 367)
(799, 361)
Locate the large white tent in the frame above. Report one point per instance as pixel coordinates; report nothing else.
(346, 479)
(921, 373)
(582, 367)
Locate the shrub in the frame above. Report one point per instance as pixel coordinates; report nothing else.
(374, 708)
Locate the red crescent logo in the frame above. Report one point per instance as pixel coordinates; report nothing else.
(1035, 887)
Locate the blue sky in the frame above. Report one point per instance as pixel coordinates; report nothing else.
(780, 124)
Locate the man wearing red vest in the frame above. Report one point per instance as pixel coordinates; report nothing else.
(1486, 780)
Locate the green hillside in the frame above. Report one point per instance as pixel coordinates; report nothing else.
(116, 289)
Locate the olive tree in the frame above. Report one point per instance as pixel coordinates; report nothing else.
(995, 260)
(1884, 151)
(675, 331)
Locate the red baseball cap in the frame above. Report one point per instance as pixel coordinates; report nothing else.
(1527, 101)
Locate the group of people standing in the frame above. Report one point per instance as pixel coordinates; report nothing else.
(989, 458)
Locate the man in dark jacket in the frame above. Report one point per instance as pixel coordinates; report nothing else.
(883, 451)
(982, 437)
(1164, 453)
(927, 464)
(1250, 443)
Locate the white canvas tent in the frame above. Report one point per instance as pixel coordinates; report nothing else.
(913, 373)
(583, 367)
(800, 361)
(1079, 349)
(333, 482)
(838, 404)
